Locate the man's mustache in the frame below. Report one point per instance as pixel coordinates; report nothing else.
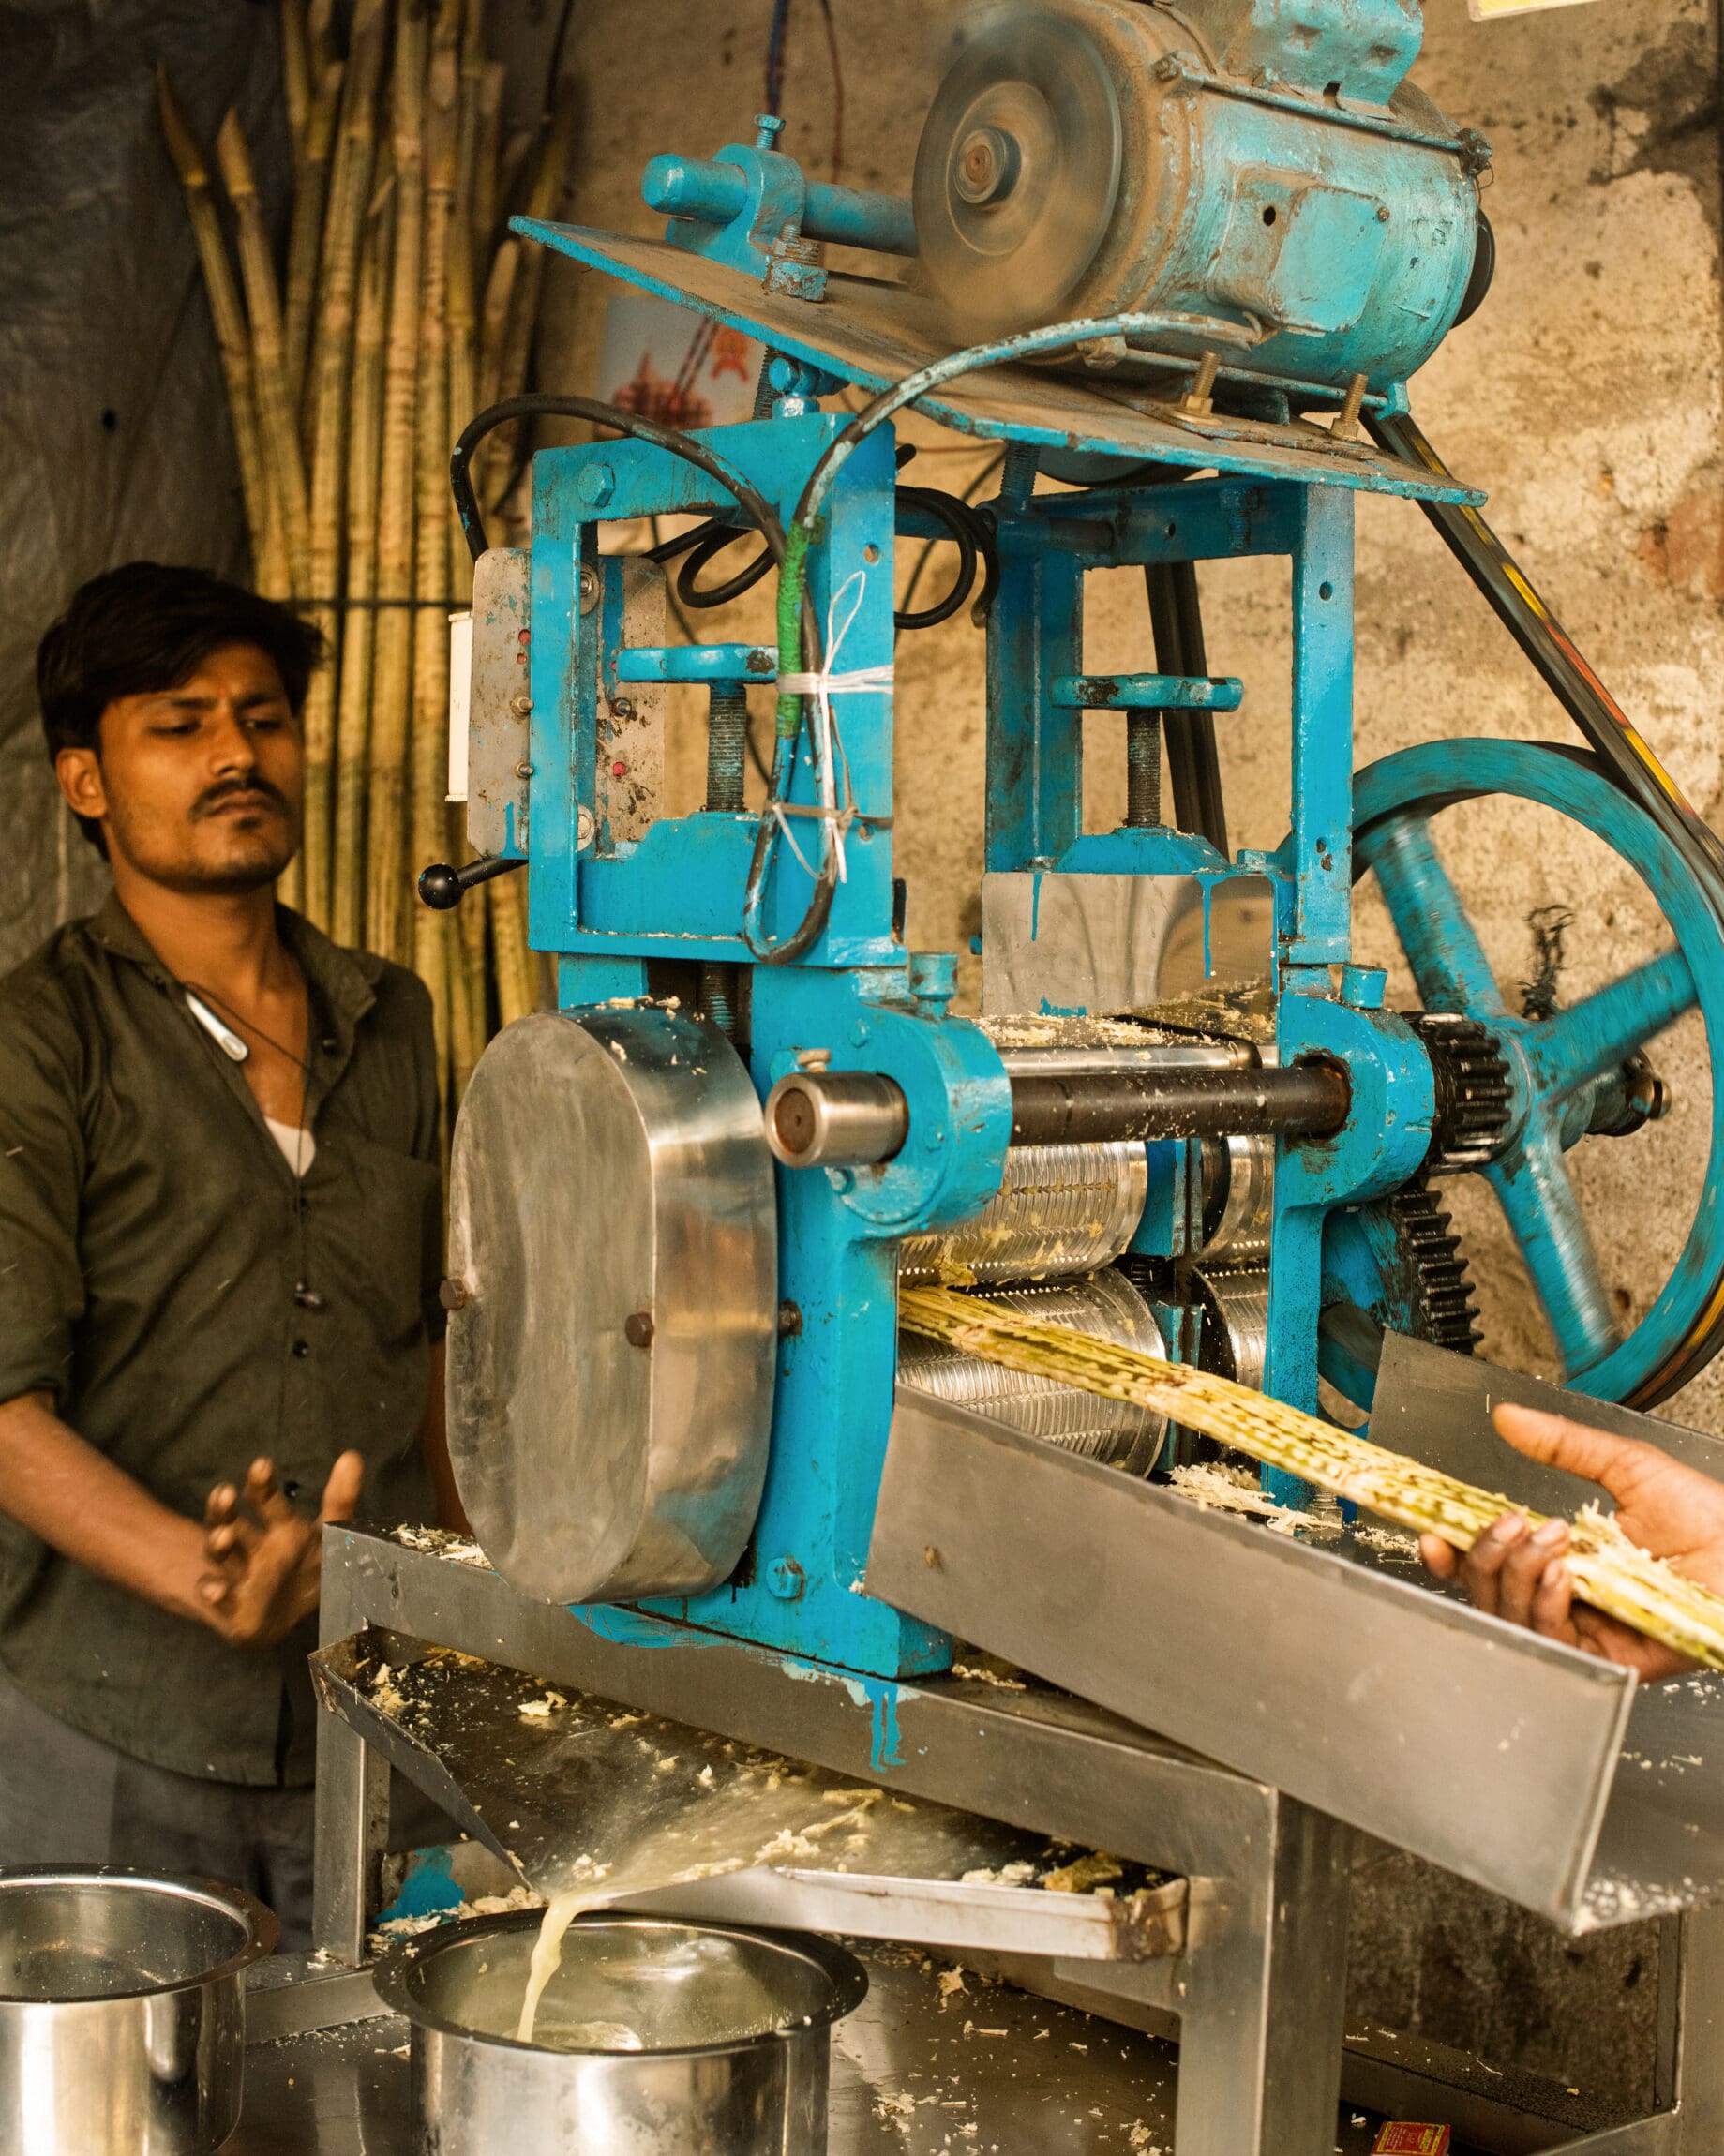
(225, 791)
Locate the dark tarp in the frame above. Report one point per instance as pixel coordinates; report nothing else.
(113, 434)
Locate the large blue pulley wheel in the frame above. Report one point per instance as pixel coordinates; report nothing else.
(1559, 1066)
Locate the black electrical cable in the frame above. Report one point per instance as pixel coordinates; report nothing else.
(662, 549)
(969, 532)
(1175, 622)
(537, 404)
(713, 544)
(965, 528)
(550, 404)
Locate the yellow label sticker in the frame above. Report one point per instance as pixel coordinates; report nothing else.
(1407, 2140)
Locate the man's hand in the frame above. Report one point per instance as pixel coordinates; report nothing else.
(263, 1557)
(1514, 1572)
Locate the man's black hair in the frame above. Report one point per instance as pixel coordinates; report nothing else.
(148, 627)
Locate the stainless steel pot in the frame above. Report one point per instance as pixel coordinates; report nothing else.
(733, 2028)
(122, 2014)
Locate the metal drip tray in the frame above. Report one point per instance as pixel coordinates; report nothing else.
(1336, 1672)
(576, 1791)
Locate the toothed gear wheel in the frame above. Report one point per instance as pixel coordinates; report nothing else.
(1436, 1284)
(1471, 1073)
(1391, 1265)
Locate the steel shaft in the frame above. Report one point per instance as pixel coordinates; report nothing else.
(852, 1118)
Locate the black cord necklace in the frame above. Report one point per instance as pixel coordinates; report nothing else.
(305, 1296)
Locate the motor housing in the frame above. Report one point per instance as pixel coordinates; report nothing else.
(1247, 159)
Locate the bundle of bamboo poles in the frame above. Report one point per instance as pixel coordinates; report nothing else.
(1608, 1570)
(396, 311)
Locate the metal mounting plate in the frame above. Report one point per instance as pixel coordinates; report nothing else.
(873, 332)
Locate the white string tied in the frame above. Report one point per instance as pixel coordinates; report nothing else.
(830, 682)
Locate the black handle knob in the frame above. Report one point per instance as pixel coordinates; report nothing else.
(442, 885)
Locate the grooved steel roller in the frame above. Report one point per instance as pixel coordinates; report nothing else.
(1106, 1306)
(1059, 1209)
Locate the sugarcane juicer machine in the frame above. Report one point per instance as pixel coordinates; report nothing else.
(1178, 261)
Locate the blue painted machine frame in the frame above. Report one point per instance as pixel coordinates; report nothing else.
(609, 909)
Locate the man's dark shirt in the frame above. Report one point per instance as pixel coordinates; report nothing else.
(190, 1305)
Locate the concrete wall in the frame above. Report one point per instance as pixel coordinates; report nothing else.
(1584, 398)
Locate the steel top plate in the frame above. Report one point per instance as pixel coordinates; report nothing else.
(873, 332)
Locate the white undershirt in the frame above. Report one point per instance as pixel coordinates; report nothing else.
(298, 1147)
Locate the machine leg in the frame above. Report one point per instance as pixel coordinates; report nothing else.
(1264, 1999)
(352, 1793)
(1700, 2044)
(353, 1825)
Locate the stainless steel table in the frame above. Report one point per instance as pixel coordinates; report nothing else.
(918, 2070)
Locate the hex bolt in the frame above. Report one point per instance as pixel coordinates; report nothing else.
(1200, 397)
(455, 1294)
(521, 707)
(637, 1328)
(1344, 426)
(589, 586)
(785, 1579)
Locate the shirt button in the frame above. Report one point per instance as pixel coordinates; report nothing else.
(302, 1347)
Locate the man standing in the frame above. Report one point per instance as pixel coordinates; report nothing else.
(219, 1252)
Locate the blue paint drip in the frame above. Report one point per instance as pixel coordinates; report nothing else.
(884, 1751)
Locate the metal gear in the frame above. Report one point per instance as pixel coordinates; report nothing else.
(1391, 1265)
(1436, 1287)
(1471, 1073)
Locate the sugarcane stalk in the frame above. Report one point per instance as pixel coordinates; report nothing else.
(319, 37)
(1608, 1570)
(430, 757)
(387, 890)
(494, 460)
(512, 158)
(486, 156)
(463, 324)
(328, 417)
(296, 72)
(276, 416)
(305, 232)
(467, 998)
(494, 318)
(359, 620)
(232, 343)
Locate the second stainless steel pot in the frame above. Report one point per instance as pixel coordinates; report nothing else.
(121, 2018)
